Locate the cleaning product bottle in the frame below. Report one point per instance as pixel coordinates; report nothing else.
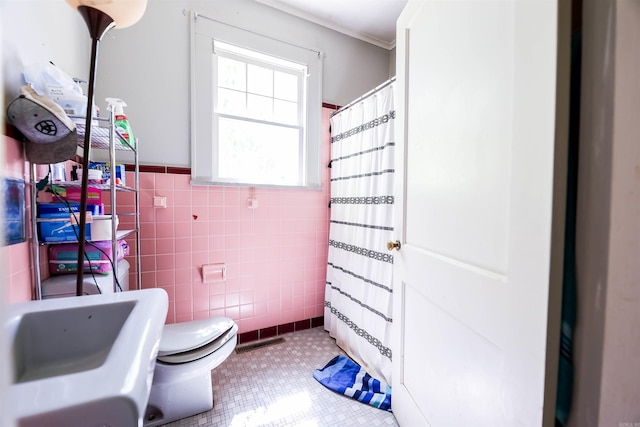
(121, 121)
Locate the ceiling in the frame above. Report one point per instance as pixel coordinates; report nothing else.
(373, 21)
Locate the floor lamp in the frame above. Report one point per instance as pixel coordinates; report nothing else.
(100, 17)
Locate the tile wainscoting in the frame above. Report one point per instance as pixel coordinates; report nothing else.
(275, 255)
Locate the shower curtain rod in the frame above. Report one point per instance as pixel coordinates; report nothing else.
(197, 15)
(366, 95)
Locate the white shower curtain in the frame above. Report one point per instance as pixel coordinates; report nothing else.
(358, 299)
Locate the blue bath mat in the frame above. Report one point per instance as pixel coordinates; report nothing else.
(344, 376)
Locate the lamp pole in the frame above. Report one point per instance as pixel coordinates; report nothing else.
(98, 24)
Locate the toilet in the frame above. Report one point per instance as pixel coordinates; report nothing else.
(65, 285)
(187, 354)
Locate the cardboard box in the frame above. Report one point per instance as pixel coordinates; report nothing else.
(94, 195)
(62, 229)
(105, 167)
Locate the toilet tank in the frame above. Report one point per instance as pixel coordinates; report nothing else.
(65, 285)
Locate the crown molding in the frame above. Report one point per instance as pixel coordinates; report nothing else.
(368, 38)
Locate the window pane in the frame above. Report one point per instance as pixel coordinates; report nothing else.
(285, 112)
(259, 107)
(221, 46)
(285, 86)
(232, 102)
(260, 80)
(258, 153)
(232, 74)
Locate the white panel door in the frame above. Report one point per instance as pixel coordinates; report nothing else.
(479, 213)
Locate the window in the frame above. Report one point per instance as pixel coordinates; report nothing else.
(256, 111)
(258, 117)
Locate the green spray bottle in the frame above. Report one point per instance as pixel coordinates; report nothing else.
(121, 122)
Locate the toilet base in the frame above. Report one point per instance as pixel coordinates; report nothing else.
(180, 391)
(180, 399)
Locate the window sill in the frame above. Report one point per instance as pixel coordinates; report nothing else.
(315, 187)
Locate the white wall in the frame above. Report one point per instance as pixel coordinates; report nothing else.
(147, 65)
(41, 30)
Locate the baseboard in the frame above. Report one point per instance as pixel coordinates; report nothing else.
(285, 328)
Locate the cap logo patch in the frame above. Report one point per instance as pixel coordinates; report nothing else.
(47, 127)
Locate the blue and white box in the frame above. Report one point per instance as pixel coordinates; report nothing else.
(62, 229)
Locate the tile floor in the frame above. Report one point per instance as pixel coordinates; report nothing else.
(274, 386)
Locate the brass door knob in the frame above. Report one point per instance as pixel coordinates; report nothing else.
(393, 245)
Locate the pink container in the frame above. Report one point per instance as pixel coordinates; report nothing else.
(94, 195)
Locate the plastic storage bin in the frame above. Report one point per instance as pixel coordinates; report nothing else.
(65, 286)
(63, 259)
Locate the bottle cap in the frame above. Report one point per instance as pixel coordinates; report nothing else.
(116, 104)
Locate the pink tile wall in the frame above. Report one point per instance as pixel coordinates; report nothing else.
(17, 258)
(275, 255)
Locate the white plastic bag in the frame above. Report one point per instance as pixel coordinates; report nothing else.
(47, 79)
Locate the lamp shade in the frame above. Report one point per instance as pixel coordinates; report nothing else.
(123, 12)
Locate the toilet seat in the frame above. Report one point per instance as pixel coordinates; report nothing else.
(189, 341)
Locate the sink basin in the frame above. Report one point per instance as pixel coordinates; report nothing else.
(59, 342)
(85, 360)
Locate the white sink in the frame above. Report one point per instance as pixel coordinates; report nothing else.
(85, 360)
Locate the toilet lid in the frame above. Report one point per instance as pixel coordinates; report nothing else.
(187, 336)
